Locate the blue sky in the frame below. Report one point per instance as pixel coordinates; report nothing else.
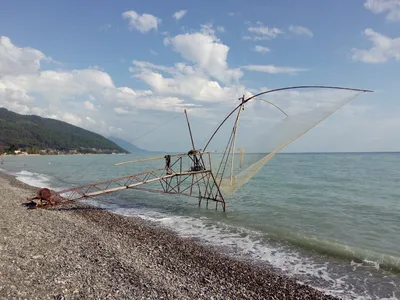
(74, 61)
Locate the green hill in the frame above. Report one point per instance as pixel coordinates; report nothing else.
(29, 131)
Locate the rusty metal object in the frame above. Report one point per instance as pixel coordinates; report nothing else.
(44, 198)
(198, 181)
(44, 194)
(174, 178)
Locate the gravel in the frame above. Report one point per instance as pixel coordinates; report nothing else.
(77, 251)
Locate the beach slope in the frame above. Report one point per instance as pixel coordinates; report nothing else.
(80, 252)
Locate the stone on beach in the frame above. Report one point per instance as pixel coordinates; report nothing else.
(81, 252)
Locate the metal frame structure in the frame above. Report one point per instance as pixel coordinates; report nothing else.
(198, 180)
(175, 178)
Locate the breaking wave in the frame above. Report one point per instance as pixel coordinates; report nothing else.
(346, 281)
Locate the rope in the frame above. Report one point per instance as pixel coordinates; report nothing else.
(96, 160)
(216, 126)
(139, 137)
(151, 130)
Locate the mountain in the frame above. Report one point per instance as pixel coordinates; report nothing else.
(126, 145)
(30, 131)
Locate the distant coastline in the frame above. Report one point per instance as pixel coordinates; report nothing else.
(64, 154)
(172, 152)
(29, 151)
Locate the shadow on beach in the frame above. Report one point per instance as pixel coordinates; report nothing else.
(68, 207)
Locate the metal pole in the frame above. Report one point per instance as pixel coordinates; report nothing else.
(234, 141)
(190, 131)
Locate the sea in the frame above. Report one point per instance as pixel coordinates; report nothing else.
(329, 220)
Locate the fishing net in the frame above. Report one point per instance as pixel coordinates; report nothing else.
(256, 132)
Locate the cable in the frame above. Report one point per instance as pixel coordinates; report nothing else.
(151, 130)
(96, 160)
(208, 137)
(139, 137)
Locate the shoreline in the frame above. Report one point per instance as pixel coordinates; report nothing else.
(80, 251)
(82, 154)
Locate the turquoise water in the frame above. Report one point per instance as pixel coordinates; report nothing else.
(329, 220)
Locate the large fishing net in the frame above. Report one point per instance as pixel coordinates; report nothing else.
(255, 132)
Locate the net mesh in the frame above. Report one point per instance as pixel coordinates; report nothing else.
(265, 126)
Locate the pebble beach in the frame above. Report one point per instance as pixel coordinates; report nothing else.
(77, 251)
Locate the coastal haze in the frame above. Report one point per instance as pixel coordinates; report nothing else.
(328, 220)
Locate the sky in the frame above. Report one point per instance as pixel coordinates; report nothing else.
(130, 68)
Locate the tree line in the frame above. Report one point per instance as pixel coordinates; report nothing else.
(33, 133)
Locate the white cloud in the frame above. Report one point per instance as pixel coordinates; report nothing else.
(300, 30)
(113, 129)
(384, 48)
(144, 100)
(123, 111)
(261, 49)
(273, 69)
(89, 105)
(202, 81)
(25, 88)
(221, 28)
(71, 118)
(186, 81)
(105, 27)
(208, 29)
(179, 14)
(206, 51)
(391, 7)
(91, 120)
(58, 85)
(15, 60)
(262, 32)
(16, 100)
(143, 23)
